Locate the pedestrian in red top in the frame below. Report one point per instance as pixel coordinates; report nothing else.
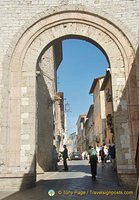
(102, 155)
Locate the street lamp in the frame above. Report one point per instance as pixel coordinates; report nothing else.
(67, 107)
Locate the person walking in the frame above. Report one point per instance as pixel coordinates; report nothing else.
(97, 150)
(93, 159)
(112, 154)
(82, 155)
(54, 158)
(102, 154)
(106, 154)
(65, 156)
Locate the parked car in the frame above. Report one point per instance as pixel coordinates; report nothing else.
(75, 156)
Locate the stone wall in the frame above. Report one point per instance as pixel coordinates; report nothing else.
(45, 118)
(46, 90)
(27, 27)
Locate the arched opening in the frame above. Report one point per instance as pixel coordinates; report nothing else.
(47, 66)
(44, 33)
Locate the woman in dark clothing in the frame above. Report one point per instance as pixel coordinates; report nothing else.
(65, 156)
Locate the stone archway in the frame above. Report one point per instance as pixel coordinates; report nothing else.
(43, 32)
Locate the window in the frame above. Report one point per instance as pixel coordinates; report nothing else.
(108, 95)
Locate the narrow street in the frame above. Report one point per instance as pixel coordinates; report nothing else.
(75, 184)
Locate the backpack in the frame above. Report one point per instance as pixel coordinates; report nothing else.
(93, 155)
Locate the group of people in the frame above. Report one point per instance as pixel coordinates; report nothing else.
(103, 153)
(55, 158)
(94, 156)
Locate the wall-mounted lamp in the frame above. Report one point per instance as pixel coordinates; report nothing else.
(67, 107)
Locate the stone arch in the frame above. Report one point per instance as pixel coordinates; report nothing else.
(76, 21)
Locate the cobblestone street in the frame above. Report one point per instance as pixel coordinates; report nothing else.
(75, 184)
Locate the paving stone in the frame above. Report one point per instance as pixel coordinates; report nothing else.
(75, 184)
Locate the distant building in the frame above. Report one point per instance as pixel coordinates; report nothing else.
(89, 128)
(69, 145)
(106, 87)
(81, 137)
(72, 143)
(99, 110)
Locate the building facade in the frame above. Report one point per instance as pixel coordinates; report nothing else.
(45, 109)
(28, 30)
(72, 143)
(106, 87)
(99, 110)
(80, 132)
(89, 128)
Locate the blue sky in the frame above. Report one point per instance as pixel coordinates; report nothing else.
(82, 62)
